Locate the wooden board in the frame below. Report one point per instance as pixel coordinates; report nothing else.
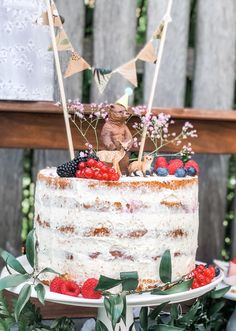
(40, 125)
(11, 171)
(213, 88)
(114, 43)
(170, 91)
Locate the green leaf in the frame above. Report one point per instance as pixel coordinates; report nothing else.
(49, 270)
(100, 326)
(13, 281)
(217, 294)
(40, 289)
(123, 315)
(174, 313)
(12, 262)
(129, 280)
(115, 308)
(22, 300)
(165, 270)
(107, 306)
(143, 317)
(30, 248)
(215, 308)
(181, 287)
(155, 312)
(190, 315)
(162, 327)
(105, 283)
(6, 324)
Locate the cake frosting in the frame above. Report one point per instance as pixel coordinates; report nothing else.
(87, 228)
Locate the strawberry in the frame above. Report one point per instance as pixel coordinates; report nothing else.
(160, 163)
(88, 289)
(69, 287)
(55, 285)
(174, 165)
(192, 163)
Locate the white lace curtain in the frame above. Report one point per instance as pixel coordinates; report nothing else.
(26, 66)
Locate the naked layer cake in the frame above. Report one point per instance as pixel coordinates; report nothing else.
(87, 228)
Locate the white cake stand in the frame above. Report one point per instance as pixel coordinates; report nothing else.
(134, 300)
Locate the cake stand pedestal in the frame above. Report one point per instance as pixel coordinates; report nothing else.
(134, 300)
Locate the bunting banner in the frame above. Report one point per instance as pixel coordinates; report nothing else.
(63, 42)
(102, 77)
(148, 53)
(128, 71)
(76, 64)
(43, 19)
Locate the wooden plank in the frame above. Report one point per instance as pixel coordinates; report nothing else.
(11, 172)
(170, 91)
(46, 129)
(114, 43)
(74, 14)
(213, 88)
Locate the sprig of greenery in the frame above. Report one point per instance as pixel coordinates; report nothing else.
(22, 276)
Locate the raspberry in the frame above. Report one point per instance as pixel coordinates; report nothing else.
(160, 163)
(91, 163)
(69, 287)
(82, 165)
(56, 284)
(192, 163)
(174, 165)
(88, 291)
(88, 173)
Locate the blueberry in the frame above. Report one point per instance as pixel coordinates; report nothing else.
(191, 171)
(162, 172)
(180, 172)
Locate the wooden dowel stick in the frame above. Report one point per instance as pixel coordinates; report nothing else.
(156, 73)
(60, 81)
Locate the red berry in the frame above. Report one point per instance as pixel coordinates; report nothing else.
(99, 176)
(192, 163)
(70, 288)
(105, 176)
(208, 280)
(195, 284)
(104, 169)
(99, 164)
(55, 285)
(233, 261)
(113, 177)
(174, 165)
(160, 163)
(88, 173)
(111, 171)
(82, 165)
(88, 289)
(91, 163)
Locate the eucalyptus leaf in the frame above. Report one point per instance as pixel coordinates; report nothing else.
(181, 287)
(155, 312)
(12, 262)
(163, 327)
(40, 289)
(215, 308)
(123, 315)
(22, 300)
(165, 270)
(49, 270)
(217, 294)
(115, 308)
(174, 313)
(13, 281)
(100, 326)
(107, 306)
(129, 280)
(30, 248)
(143, 317)
(105, 283)
(190, 315)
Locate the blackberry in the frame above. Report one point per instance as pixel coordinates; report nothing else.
(68, 169)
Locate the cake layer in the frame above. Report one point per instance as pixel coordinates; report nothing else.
(86, 228)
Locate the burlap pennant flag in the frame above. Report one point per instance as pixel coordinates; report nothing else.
(128, 71)
(102, 77)
(158, 33)
(147, 54)
(56, 17)
(63, 42)
(76, 64)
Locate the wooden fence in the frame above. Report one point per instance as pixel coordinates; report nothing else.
(113, 43)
